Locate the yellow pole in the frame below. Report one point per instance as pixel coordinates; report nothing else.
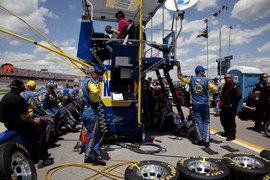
(140, 67)
(73, 59)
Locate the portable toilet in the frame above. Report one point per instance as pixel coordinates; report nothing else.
(245, 77)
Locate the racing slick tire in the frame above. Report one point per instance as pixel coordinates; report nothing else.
(266, 177)
(267, 128)
(73, 111)
(246, 166)
(265, 154)
(151, 170)
(15, 162)
(196, 168)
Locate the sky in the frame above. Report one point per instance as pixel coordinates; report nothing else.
(59, 20)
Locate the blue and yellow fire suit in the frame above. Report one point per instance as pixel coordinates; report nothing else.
(199, 87)
(89, 115)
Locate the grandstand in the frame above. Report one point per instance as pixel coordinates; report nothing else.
(40, 76)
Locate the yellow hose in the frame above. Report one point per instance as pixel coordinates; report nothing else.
(106, 171)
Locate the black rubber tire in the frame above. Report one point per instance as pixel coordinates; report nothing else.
(167, 171)
(265, 154)
(186, 172)
(15, 162)
(266, 177)
(73, 111)
(240, 165)
(267, 128)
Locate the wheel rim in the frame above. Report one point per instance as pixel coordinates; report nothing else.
(152, 171)
(21, 168)
(248, 162)
(202, 167)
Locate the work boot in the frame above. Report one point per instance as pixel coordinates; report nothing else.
(206, 144)
(86, 160)
(230, 138)
(224, 134)
(95, 160)
(197, 142)
(98, 159)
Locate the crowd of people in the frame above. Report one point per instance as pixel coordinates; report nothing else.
(225, 98)
(40, 116)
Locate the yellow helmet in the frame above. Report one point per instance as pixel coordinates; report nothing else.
(31, 84)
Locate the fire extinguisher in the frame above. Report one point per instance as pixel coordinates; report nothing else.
(83, 136)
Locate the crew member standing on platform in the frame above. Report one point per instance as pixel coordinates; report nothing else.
(199, 89)
(89, 116)
(121, 31)
(229, 99)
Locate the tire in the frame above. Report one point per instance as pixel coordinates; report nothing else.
(194, 168)
(73, 111)
(15, 162)
(151, 170)
(266, 177)
(265, 154)
(246, 166)
(267, 128)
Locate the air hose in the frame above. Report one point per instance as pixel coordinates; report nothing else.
(108, 171)
(137, 148)
(101, 116)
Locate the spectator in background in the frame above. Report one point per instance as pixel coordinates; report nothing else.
(147, 101)
(262, 92)
(199, 88)
(229, 99)
(187, 96)
(215, 98)
(247, 112)
(163, 110)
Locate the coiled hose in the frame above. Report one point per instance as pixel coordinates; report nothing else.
(101, 116)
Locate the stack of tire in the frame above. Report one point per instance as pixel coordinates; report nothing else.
(233, 166)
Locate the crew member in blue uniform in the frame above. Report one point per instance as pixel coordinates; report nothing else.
(199, 89)
(89, 116)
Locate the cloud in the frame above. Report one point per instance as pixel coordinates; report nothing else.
(47, 60)
(245, 36)
(15, 57)
(15, 43)
(204, 4)
(72, 6)
(245, 10)
(250, 60)
(28, 10)
(157, 20)
(264, 48)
